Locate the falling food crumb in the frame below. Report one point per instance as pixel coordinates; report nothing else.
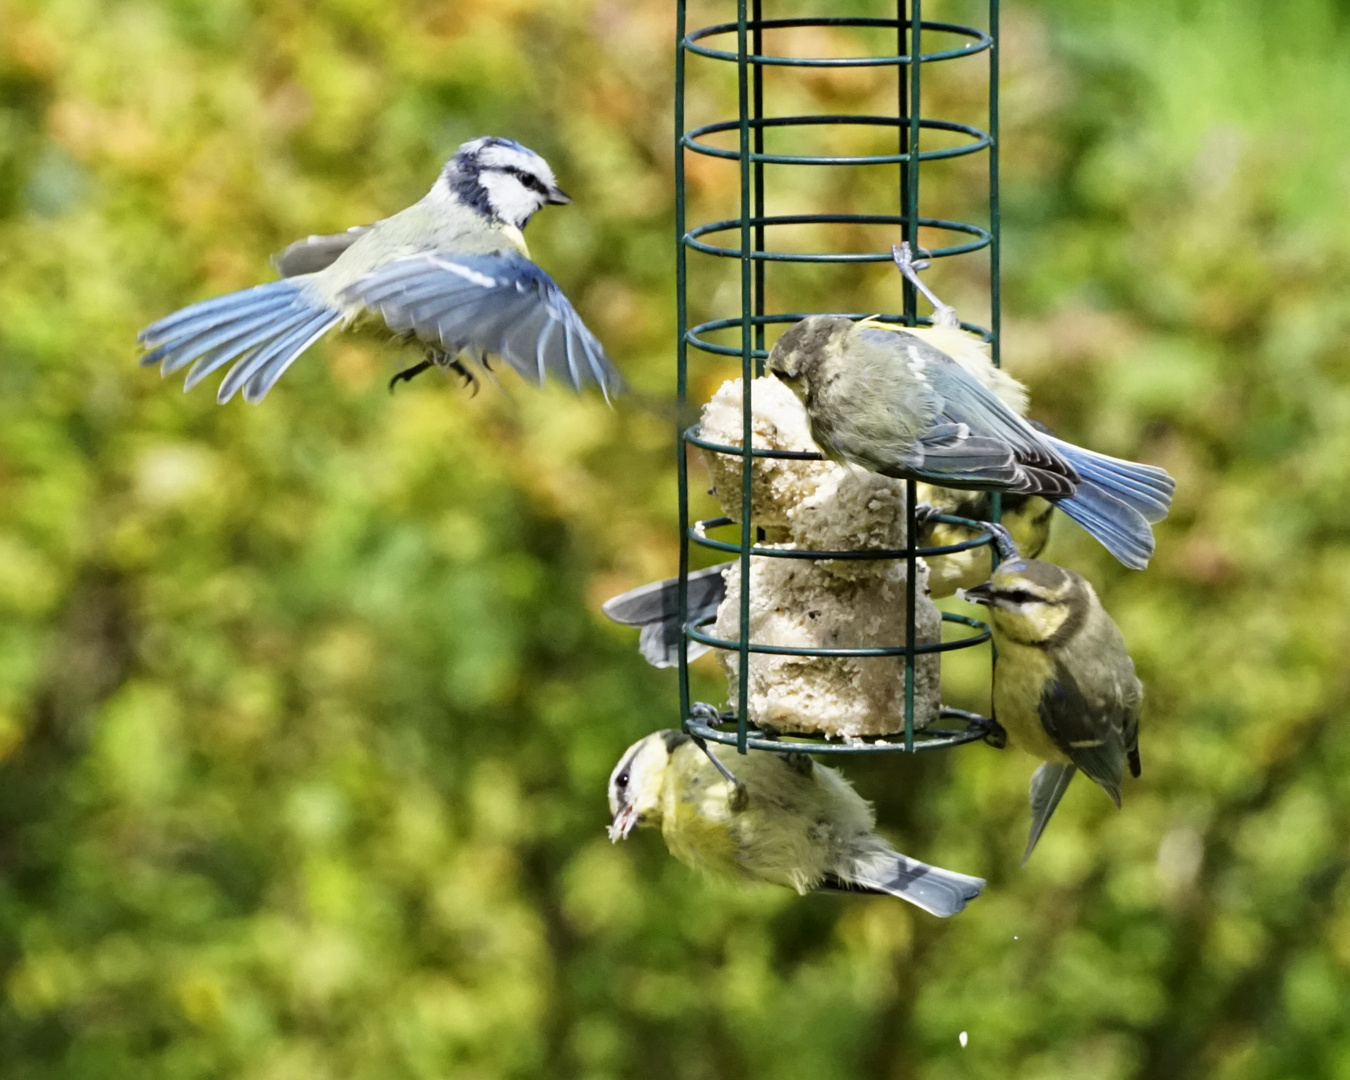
(1014, 937)
(962, 1039)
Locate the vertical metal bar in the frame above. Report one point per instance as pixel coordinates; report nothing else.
(995, 291)
(911, 215)
(915, 110)
(995, 253)
(911, 599)
(909, 296)
(747, 375)
(995, 310)
(761, 265)
(681, 359)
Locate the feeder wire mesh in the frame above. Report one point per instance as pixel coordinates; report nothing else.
(750, 59)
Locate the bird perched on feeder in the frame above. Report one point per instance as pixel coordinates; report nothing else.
(926, 404)
(452, 269)
(1064, 686)
(781, 819)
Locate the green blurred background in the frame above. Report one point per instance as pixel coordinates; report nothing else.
(306, 711)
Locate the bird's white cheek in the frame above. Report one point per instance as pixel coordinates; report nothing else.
(509, 198)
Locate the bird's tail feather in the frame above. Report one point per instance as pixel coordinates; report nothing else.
(1121, 529)
(1145, 488)
(656, 608)
(262, 330)
(1047, 788)
(939, 892)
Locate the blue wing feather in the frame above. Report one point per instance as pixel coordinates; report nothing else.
(501, 305)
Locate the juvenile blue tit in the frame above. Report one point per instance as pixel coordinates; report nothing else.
(656, 609)
(1064, 686)
(784, 820)
(452, 269)
(926, 404)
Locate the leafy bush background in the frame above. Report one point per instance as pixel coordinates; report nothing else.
(306, 710)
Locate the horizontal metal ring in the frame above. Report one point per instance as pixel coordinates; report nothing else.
(981, 42)
(924, 738)
(860, 653)
(691, 336)
(698, 534)
(692, 241)
(981, 140)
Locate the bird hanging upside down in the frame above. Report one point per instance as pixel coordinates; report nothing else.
(781, 818)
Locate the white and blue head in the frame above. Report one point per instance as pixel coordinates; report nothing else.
(502, 180)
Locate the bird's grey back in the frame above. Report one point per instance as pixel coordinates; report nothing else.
(868, 397)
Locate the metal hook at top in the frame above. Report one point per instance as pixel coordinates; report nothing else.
(909, 267)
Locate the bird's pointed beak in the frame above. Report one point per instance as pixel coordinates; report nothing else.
(558, 197)
(980, 594)
(623, 824)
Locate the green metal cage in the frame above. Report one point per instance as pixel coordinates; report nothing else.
(749, 56)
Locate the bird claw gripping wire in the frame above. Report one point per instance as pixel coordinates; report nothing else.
(994, 733)
(1003, 542)
(909, 267)
(699, 710)
(924, 513)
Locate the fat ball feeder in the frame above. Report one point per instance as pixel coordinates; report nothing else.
(742, 43)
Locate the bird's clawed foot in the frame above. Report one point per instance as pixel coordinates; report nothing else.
(706, 714)
(457, 366)
(440, 359)
(924, 513)
(994, 734)
(699, 710)
(408, 374)
(909, 267)
(1003, 542)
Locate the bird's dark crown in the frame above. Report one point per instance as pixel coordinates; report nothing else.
(802, 347)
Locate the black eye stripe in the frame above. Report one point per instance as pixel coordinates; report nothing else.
(1021, 596)
(528, 179)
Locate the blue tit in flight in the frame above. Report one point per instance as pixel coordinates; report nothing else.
(452, 269)
(781, 819)
(1065, 690)
(926, 404)
(655, 608)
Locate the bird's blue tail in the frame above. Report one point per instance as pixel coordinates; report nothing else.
(1117, 501)
(262, 330)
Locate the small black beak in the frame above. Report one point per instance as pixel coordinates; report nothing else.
(980, 594)
(558, 197)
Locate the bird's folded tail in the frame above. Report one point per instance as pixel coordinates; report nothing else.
(261, 330)
(656, 609)
(1047, 788)
(939, 892)
(1147, 489)
(1121, 529)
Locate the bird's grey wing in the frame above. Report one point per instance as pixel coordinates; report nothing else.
(656, 609)
(963, 399)
(1091, 734)
(951, 454)
(499, 304)
(1047, 788)
(315, 253)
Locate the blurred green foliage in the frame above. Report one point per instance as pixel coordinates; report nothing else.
(306, 711)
